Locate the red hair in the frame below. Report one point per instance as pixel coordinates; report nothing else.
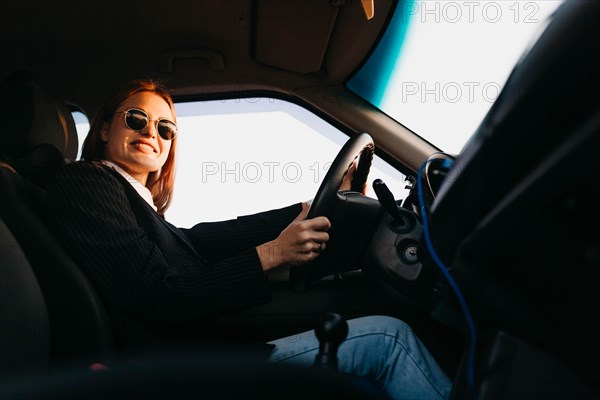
(159, 183)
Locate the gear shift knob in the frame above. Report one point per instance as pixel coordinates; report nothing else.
(331, 331)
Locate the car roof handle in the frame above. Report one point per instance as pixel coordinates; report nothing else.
(216, 61)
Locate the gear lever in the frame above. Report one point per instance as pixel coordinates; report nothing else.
(331, 331)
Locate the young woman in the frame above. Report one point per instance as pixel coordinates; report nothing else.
(108, 211)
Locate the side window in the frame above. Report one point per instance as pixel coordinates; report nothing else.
(242, 156)
(82, 125)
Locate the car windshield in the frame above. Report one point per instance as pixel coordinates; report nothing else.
(441, 64)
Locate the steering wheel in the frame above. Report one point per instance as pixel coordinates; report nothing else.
(359, 147)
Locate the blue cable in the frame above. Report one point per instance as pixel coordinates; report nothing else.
(459, 296)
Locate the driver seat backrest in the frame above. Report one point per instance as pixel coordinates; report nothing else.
(80, 328)
(35, 143)
(40, 133)
(24, 329)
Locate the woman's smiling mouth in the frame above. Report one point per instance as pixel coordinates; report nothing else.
(144, 146)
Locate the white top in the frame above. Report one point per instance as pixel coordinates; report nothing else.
(141, 189)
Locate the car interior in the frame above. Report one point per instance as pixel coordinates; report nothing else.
(493, 257)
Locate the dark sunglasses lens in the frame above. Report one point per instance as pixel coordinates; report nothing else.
(136, 120)
(167, 130)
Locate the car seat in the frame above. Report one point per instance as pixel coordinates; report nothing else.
(516, 220)
(40, 133)
(24, 328)
(35, 143)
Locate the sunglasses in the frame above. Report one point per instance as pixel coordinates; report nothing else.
(137, 120)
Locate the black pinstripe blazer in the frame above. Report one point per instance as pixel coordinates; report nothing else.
(146, 267)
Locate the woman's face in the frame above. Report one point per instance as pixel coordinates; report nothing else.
(138, 152)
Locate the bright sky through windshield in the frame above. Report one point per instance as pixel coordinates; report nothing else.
(454, 61)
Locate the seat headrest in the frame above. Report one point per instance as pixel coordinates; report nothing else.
(36, 118)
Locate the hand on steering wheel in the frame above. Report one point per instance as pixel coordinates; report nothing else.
(347, 182)
(300, 242)
(359, 147)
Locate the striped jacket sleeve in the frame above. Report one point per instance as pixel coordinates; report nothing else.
(216, 241)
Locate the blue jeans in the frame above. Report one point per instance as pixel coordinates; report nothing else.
(382, 349)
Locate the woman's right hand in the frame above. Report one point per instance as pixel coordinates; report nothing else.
(300, 242)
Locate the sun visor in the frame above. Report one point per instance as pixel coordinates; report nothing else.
(294, 35)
